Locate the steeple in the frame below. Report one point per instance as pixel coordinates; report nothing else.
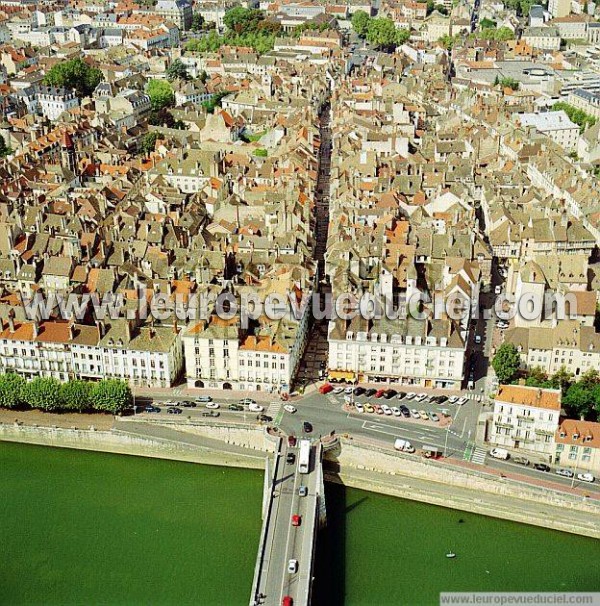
(67, 152)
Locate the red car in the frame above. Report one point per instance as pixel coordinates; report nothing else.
(287, 601)
(378, 409)
(291, 441)
(379, 393)
(326, 388)
(296, 520)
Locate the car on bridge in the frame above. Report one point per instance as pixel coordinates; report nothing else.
(287, 601)
(296, 520)
(293, 566)
(307, 427)
(302, 491)
(290, 458)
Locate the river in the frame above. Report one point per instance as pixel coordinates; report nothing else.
(88, 528)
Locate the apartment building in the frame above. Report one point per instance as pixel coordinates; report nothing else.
(577, 445)
(588, 101)
(555, 125)
(54, 101)
(543, 38)
(526, 418)
(559, 8)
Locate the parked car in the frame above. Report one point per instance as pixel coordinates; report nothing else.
(410, 395)
(302, 491)
(203, 399)
(247, 401)
(213, 405)
(424, 415)
(369, 393)
(287, 601)
(188, 404)
(170, 403)
(585, 477)
(541, 467)
(292, 566)
(396, 411)
(414, 413)
(386, 409)
(442, 399)
(452, 399)
(359, 391)
(378, 409)
(401, 395)
(379, 393)
(338, 390)
(566, 473)
(291, 441)
(389, 394)
(296, 520)
(211, 413)
(477, 339)
(520, 460)
(420, 397)
(325, 388)
(462, 401)
(403, 445)
(150, 408)
(359, 407)
(291, 458)
(405, 411)
(255, 407)
(499, 453)
(434, 417)
(264, 418)
(236, 407)
(174, 410)
(497, 289)
(289, 408)
(369, 407)
(348, 390)
(307, 427)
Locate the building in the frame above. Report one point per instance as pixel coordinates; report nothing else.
(543, 38)
(585, 100)
(526, 419)
(177, 11)
(54, 101)
(536, 16)
(578, 446)
(559, 8)
(555, 125)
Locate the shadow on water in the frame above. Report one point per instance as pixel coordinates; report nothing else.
(330, 565)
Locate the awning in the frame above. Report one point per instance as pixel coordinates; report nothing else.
(347, 375)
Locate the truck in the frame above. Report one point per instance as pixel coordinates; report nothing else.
(499, 453)
(403, 445)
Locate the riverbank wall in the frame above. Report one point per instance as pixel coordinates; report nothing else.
(355, 465)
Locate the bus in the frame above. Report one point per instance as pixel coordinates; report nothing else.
(304, 457)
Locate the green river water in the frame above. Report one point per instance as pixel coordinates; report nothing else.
(92, 528)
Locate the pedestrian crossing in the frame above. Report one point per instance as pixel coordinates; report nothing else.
(275, 411)
(478, 456)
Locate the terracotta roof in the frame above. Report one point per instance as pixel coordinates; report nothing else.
(530, 396)
(588, 433)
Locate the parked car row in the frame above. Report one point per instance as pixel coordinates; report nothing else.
(396, 411)
(388, 394)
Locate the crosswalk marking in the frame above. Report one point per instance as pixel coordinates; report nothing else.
(275, 411)
(479, 456)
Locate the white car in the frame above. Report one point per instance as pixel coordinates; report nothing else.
(349, 390)
(212, 405)
(410, 395)
(247, 401)
(452, 399)
(289, 408)
(292, 566)
(386, 409)
(255, 407)
(414, 413)
(170, 403)
(359, 407)
(338, 390)
(396, 411)
(203, 399)
(477, 339)
(421, 397)
(461, 401)
(585, 477)
(498, 290)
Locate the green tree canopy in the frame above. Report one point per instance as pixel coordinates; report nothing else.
(197, 22)
(4, 149)
(381, 32)
(402, 35)
(112, 395)
(11, 390)
(148, 143)
(575, 115)
(43, 393)
(360, 23)
(177, 70)
(242, 20)
(74, 74)
(76, 395)
(502, 34)
(161, 94)
(486, 23)
(506, 362)
(579, 399)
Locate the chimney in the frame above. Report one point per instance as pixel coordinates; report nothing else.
(100, 327)
(11, 323)
(35, 328)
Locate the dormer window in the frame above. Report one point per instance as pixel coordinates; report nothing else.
(576, 436)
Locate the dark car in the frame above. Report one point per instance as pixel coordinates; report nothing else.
(307, 427)
(405, 411)
(370, 392)
(291, 457)
(291, 441)
(236, 407)
(150, 408)
(264, 418)
(189, 404)
(442, 399)
(359, 391)
(389, 394)
(174, 411)
(211, 413)
(400, 395)
(541, 467)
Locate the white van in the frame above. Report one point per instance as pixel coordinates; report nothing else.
(403, 445)
(499, 453)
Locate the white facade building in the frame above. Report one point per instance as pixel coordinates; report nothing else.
(555, 125)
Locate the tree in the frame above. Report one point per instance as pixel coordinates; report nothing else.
(177, 70)
(162, 117)
(11, 388)
(261, 152)
(43, 393)
(537, 378)
(509, 83)
(148, 143)
(402, 35)
(506, 362)
(360, 23)
(502, 34)
(381, 32)
(203, 77)
(76, 395)
(197, 22)
(561, 379)
(111, 395)
(575, 115)
(74, 74)
(242, 20)
(579, 399)
(161, 94)
(486, 23)
(213, 102)
(4, 149)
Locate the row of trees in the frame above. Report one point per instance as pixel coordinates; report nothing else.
(575, 115)
(379, 31)
(581, 398)
(49, 394)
